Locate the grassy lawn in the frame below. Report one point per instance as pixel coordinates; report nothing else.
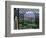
(28, 24)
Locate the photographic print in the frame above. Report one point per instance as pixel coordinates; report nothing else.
(24, 18)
